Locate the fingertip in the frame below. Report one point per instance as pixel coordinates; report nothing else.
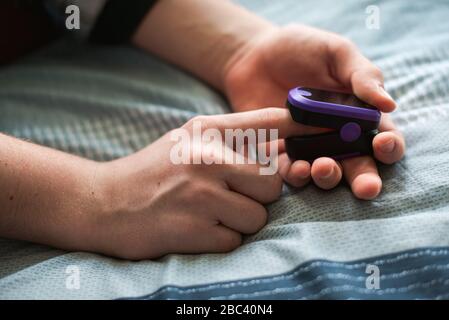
(301, 169)
(367, 186)
(326, 173)
(385, 102)
(371, 91)
(322, 168)
(299, 173)
(388, 147)
(385, 142)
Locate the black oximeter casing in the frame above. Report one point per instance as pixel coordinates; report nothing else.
(354, 121)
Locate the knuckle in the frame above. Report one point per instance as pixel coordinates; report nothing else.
(174, 132)
(340, 46)
(189, 124)
(343, 43)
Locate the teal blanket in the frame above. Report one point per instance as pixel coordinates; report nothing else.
(103, 103)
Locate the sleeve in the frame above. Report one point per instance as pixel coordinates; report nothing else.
(103, 21)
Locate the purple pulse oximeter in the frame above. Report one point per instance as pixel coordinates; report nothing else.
(355, 123)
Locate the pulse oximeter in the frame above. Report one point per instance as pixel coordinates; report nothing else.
(354, 121)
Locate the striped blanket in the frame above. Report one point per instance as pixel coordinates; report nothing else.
(104, 103)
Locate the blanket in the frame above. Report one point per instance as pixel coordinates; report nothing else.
(106, 102)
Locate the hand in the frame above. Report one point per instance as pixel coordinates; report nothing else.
(154, 207)
(261, 73)
(147, 204)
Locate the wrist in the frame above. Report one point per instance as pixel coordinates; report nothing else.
(75, 210)
(115, 195)
(240, 40)
(82, 208)
(203, 42)
(95, 202)
(243, 48)
(123, 195)
(246, 72)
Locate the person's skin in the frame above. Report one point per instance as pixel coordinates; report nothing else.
(144, 206)
(140, 206)
(255, 63)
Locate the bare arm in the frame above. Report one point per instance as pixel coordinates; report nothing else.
(201, 36)
(46, 196)
(140, 206)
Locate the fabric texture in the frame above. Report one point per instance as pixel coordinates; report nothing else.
(103, 103)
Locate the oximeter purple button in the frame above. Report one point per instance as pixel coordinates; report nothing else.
(350, 132)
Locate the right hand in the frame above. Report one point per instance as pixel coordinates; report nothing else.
(154, 207)
(269, 65)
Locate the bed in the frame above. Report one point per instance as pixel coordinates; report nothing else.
(106, 102)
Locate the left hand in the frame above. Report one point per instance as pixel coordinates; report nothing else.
(261, 73)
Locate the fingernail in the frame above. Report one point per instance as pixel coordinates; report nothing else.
(388, 147)
(303, 175)
(327, 176)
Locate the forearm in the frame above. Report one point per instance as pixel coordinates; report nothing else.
(46, 195)
(200, 36)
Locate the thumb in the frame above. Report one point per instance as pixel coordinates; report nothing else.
(357, 72)
(367, 84)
